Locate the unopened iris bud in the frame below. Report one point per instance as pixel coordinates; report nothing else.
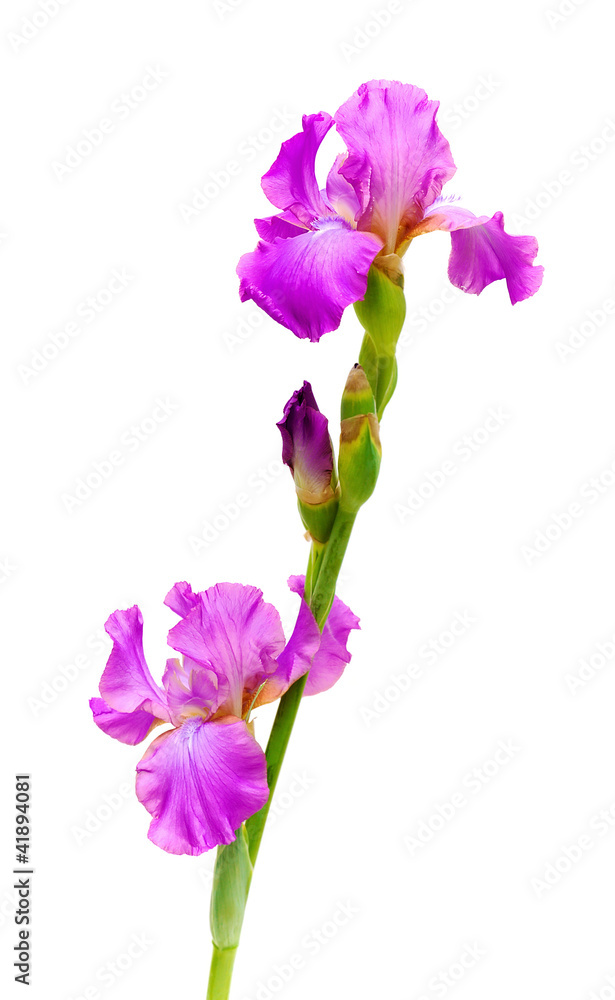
(360, 451)
(308, 451)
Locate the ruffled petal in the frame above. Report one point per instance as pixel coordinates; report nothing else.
(340, 193)
(291, 181)
(305, 283)
(127, 727)
(181, 599)
(200, 783)
(484, 252)
(448, 214)
(126, 683)
(296, 658)
(233, 632)
(398, 158)
(191, 690)
(332, 656)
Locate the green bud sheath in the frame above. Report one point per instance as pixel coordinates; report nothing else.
(382, 313)
(318, 518)
(232, 876)
(360, 450)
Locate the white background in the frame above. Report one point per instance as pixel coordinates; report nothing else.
(522, 91)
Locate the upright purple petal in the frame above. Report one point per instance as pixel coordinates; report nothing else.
(305, 283)
(127, 727)
(181, 599)
(398, 158)
(126, 683)
(306, 446)
(236, 634)
(295, 659)
(340, 193)
(200, 783)
(484, 253)
(191, 690)
(332, 656)
(291, 182)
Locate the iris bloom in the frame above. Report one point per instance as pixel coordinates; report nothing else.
(201, 779)
(313, 257)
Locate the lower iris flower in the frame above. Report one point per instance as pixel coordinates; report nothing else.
(201, 779)
(314, 256)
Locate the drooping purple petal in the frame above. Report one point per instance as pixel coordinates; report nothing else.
(291, 183)
(305, 283)
(306, 446)
(181, 599)
(398, 158)
(332, 656)
(484, 253)
(296, 657)
(236, 634)
(126, 683)
(191, 690)
(200, 783)
(127, 727)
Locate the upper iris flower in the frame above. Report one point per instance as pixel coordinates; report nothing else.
(314, 256)
(203, 778)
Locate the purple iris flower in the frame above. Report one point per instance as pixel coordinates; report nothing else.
(201, 779)
(307, 448)
(313, 257)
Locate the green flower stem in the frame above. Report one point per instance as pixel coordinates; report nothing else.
(220, 973)
(232, 875)
(323, 592)
(276, 749)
